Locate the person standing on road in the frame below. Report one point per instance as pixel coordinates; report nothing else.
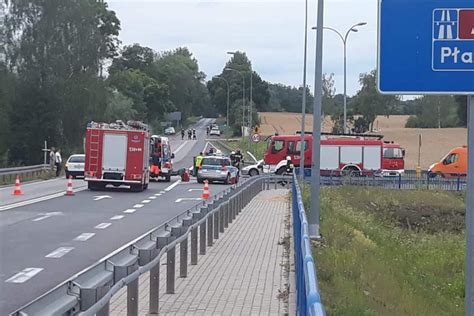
(189, 133)
(197, 163)
(182, 134)
(239, 159)
(52, 158)
(194, 134)
(58, 162)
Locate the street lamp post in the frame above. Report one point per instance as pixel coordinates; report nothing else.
(243, 97)
(303, 105)
(228, 91)
(344, 42)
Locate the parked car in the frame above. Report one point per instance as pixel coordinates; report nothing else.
(215, 131)
(75, 166)
(215, 168)
(170, 131)
(453, 165)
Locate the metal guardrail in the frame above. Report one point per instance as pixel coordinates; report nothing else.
(90, 292)
(407, 181)
(308, 300)
(8, 174)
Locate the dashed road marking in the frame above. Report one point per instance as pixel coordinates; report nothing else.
(191, 190)
(103, 225)
(171, 187)
(158, 194)
(138, 205)
(24, 275)
(58, 253)
(162, 192)
(47, 215)
(187, 199)
(117, 217)
(130, 211)
(152, 197)
(146, 201)
(84, 236)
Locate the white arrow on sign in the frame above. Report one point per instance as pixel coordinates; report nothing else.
(47, 215)
(101, 197)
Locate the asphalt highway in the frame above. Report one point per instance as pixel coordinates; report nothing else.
(45, 242)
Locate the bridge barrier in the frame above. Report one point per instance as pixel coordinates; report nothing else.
(89, 292)
(409, 180)
(8, 175)
(308, 299)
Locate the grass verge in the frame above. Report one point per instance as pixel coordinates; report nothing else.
(391, 252)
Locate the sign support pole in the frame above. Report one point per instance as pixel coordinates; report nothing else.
(468, 308)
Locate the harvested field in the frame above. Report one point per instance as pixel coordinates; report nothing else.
(435, 142)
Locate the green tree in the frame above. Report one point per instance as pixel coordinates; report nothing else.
(119, 107)
(434, 112)
(369, 102)
(57, 49)
(239, 62)
(461, 101)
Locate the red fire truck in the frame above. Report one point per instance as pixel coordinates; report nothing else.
(117, 154)
(340, 154)
(161, 163)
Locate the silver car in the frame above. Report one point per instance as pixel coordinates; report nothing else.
(214, 168)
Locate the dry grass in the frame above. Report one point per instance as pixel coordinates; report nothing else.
(435, 142)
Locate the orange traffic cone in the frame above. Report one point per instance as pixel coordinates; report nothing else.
(17, 187)
(205, 193)
(69, 191)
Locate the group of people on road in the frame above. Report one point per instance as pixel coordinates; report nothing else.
(191, 134)
(55, 160)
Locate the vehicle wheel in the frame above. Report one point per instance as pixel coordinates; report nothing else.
(136, 187)
(93, 186)
(168, 178)
(351, 172)
(253, 172)
(282, 172)
(227, 179)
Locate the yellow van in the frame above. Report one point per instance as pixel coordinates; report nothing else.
(453, 165)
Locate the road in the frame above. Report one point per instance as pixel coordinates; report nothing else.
(48, 241)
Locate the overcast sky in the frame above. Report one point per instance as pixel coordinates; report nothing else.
(270, 32)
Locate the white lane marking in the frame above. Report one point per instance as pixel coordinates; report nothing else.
(84, 236)
(172, 186)
(32, 201)
(47, 215)
(130, 211)
(180, 147)
(101, 197)
(103, 225)
(138, 205)
(24, 275)
(152, 197)
(187, 199)
(146, 201)
(162, 192)
(191, 190)
(157, 194)
(117, 217)
(58, 253)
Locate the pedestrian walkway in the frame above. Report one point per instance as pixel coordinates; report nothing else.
(245, 272)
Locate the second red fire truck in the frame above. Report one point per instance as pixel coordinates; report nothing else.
(340, 154)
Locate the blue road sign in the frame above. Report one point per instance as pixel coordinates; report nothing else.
(426, 46)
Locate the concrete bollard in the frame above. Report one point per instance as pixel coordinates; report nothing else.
(194, 246)
(183, 258)
(202, 238)
(132, 298)
(216, 223)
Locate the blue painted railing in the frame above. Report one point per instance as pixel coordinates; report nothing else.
(308, 299)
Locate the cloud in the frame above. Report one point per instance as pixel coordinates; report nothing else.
(269, 31)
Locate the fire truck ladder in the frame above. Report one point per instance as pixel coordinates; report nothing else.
(94, 150)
